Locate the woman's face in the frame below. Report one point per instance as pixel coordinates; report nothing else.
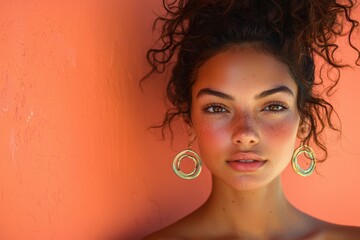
(245, 117)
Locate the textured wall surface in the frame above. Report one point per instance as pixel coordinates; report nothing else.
(76, 158)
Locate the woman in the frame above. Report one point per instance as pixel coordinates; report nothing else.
(244, 82)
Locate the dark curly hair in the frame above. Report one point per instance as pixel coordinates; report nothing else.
(293, 31)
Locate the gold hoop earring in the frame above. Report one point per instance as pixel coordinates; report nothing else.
(188, 153)
(294, 162)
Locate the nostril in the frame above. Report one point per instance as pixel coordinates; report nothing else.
(244, 139)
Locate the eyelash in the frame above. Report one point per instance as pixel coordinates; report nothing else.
(215, 105)
(223, 109)
(283, 106)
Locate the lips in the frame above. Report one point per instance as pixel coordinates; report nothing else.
(246, 162)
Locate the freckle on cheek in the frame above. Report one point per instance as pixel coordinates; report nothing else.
(280, 131)
(210, 134)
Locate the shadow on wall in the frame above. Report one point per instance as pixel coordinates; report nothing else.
(149, 195)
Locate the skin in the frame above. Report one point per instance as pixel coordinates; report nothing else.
(244, 102)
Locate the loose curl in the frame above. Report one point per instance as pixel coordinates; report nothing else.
(192, 31)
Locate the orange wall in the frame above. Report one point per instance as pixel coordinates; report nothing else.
(76, 158)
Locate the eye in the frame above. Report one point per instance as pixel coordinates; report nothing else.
(276, 107)
(215, 108)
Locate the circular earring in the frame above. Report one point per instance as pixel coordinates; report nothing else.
(294, 162)
(188, 153)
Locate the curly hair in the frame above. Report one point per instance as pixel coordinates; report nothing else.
(294, 32)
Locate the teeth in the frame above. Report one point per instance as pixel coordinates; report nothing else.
(246, 161)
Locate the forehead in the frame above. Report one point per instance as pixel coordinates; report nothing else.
(243, 67)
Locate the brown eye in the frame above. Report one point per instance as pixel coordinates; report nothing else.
(215, 109)
(275, 107)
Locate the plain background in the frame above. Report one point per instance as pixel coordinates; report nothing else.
(77, 160)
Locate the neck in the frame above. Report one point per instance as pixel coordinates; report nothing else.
(253, 213)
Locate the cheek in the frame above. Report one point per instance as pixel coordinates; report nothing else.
(211, 136)
(210, 133)
(281, 132)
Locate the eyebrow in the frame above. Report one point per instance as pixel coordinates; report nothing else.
(208, 91)
(282, 89)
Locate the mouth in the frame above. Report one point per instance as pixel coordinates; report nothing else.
(246, 165)
(246, 162)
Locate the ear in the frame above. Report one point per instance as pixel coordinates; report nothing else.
(189, 128)
(187, 120)
(303, 130)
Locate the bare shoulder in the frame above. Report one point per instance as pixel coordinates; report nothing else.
(171, 232)
(159, 235)
(180, 230)
(334, 232)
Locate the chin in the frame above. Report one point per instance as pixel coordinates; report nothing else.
(247, 183)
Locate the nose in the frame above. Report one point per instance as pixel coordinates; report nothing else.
(244, 131)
